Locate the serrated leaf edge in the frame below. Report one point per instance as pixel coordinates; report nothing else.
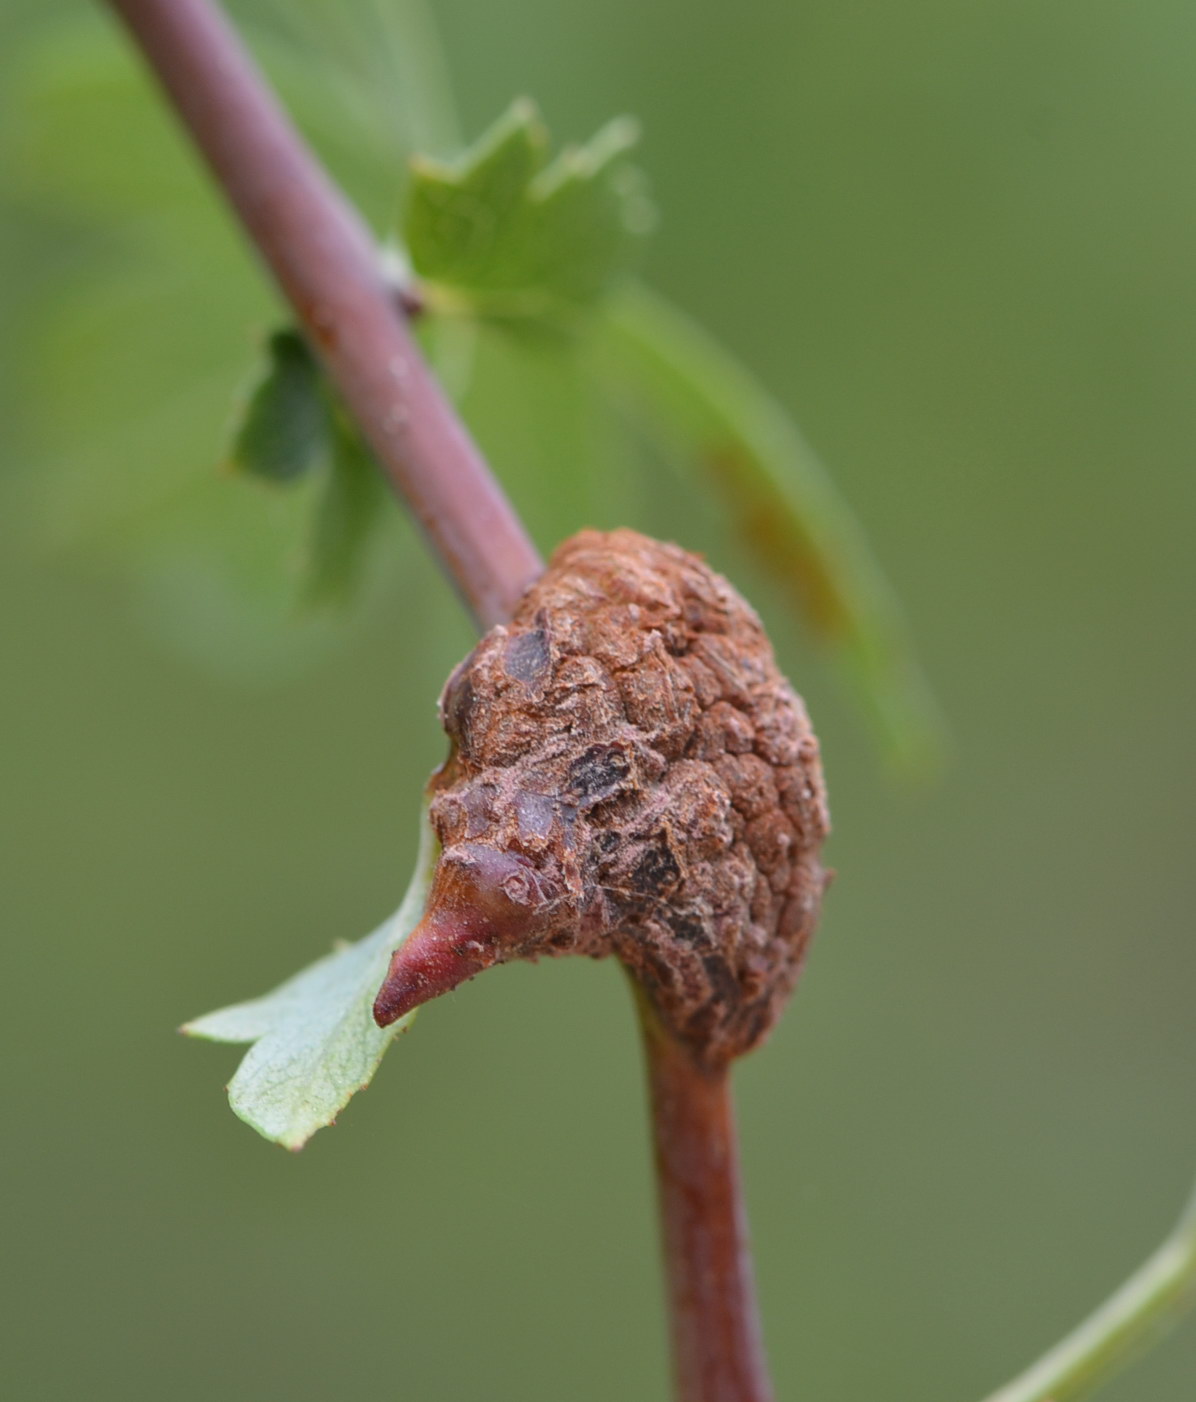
(263, 1016)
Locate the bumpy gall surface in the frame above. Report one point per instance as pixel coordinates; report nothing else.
(630, 775)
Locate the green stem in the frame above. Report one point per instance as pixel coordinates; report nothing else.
(1149, 1301)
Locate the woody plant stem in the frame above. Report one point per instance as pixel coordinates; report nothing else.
(325, 262)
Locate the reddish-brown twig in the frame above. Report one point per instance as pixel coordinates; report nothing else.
(718, 1355)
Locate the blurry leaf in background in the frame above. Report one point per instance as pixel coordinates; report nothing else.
(709, 413)
(381, 62)
(76, 135)
(286, 426)
(314, 1039)
(291, 426)
(224, 576)
(503, 232)
(354, 501)
(563, 457)
(129, 388)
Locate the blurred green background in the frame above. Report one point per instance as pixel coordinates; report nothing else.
(957, 241)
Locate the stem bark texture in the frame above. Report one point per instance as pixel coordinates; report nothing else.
(718, 1353)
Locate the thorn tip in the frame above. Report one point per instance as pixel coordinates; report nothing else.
(433, 960)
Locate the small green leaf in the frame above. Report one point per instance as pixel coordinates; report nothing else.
(709, 411)
(315, 1042)
(503, 233)
(286, 428)
(294, 428)
(354, 498)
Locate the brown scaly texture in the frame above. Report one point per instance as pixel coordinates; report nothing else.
(632, 775)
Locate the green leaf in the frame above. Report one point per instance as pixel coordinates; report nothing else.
(285, 429)
(707, 409)
(503, 233)
(354, 499)
(315, 1042)
(294, 427)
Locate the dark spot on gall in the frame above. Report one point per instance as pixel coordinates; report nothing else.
(657, 871)
(457, 704)
(757, 1019)
(527, 657)
(478, 803)
(597, 773)
(688, 928)
(723, 982)
(656, 972)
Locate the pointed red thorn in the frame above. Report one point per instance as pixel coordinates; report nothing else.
(437, 956)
